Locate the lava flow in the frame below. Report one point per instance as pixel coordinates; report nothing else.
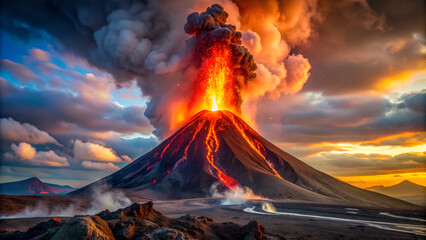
(212, 143)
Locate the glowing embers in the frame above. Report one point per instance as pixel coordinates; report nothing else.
(212, 143)
(216, 88)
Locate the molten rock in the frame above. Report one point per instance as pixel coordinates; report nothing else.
(43, 230)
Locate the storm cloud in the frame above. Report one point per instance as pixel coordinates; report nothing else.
(365, 46)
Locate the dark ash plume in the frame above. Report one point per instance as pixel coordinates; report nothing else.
(210, 28)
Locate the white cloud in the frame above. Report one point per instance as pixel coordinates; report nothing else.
(39, 54)
(49, 158)
(18, 71)
(126, 158)
(100, 166)
(93, 151)
(24, 132)
(26, 153)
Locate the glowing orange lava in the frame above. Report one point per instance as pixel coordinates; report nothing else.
(212, 143)
(216, 87)
(171, 141)
(200, 125)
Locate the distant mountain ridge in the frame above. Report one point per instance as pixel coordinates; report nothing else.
(405, 190)
(33, 186)
(374, 188)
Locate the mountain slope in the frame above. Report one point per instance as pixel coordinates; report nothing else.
(33, 186)
(405, 190)
(218, 148)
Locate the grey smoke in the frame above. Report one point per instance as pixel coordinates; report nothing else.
(103, 197)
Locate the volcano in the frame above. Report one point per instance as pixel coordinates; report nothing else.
(33, 186)
(217, 148)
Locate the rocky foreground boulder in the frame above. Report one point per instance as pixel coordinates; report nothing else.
(139, 221)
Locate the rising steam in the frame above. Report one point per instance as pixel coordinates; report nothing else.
(236, 196)
(268, 207)
(101, 197)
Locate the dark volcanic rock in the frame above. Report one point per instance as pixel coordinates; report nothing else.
(134, 211)
(253, 230)
(139, 221)
(43, 230)
(168, 234)
(84, 227)
(48, 227)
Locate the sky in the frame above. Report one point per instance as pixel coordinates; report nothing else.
(88, 86)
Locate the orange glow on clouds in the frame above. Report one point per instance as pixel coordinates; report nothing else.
(406, 139)
(397, 81)
(93, 151)
(24, 150)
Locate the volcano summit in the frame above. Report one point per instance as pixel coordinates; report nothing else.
(217, 148)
